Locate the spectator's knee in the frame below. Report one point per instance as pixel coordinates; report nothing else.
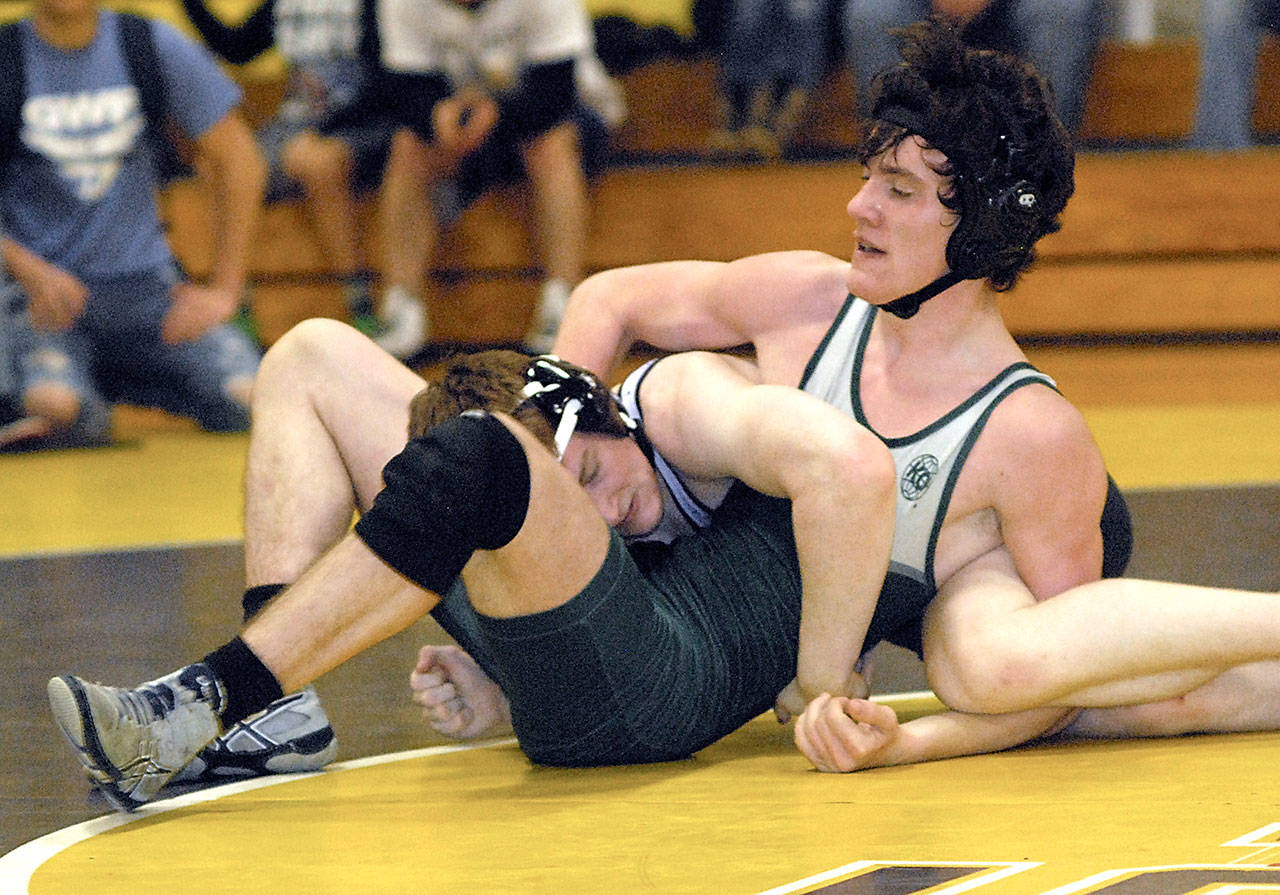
(70, 419)
(55, 403)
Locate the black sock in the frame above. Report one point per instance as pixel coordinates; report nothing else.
(258, 596)
(250, 686)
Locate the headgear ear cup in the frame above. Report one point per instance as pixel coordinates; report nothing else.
(999, 216)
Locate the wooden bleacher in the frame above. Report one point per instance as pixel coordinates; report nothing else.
(1169, 254)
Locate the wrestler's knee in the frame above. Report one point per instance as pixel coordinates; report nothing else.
(462, 487)
(311, 343)
(308, 355)
(993, 682)
(980, 669)
(866, 458)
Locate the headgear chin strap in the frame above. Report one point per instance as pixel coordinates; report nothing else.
(906, 306)
(572, 398)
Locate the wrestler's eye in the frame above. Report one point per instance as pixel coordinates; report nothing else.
(590, 468)
(900, 189)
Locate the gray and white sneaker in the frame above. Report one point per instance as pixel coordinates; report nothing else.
(290, 735)
(552, 301)
(131, 742)
(405, 327)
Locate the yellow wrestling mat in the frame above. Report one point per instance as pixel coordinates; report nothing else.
(1186, 815)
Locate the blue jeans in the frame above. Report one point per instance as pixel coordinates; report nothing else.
(1230, 34)
(782, 42)
(114, 353)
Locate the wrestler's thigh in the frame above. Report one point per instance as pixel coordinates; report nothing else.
(556, 553)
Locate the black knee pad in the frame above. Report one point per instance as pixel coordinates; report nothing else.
(462, 487)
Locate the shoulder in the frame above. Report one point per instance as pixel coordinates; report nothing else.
(798, 263)
(1043, 459)
(167, 38)
(1040, 417)
(1041, 430)
(180, 55)
(788, 301)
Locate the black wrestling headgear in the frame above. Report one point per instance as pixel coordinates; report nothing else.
(573, 398)
(999, 211)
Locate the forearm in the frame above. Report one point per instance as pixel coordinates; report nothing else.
(594, 334)
(842, 570)
(237, 175)
(667, 305)
(952, 734)
(17, 258)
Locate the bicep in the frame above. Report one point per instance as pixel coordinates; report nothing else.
(683, 305)
(229, 143)
(1050, 514)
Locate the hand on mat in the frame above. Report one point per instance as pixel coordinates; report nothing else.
(457, 698)
(838, 734)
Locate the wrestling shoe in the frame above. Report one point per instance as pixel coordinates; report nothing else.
(546, 320)
(131, 742)
(290, 735)
(404, 323)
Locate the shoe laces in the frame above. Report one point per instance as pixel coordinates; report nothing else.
(154, 700)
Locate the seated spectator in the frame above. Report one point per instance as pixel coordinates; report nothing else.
(104, 313)
(772, 55)
(322, 144)
(487, 90)
(1058, 37)
(1230, 35)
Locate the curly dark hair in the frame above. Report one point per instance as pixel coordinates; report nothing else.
(993, 117)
